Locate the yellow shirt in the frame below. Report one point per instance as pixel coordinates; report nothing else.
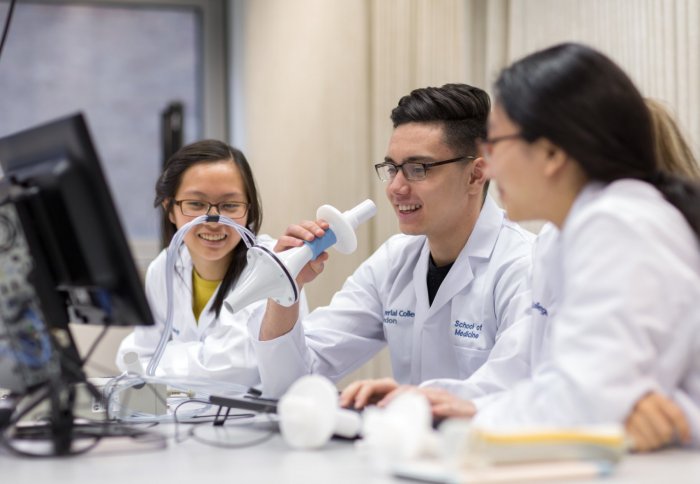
(202, 291)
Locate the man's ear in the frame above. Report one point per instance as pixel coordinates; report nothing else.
(478, 175)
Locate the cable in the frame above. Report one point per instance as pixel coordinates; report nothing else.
(7, 444)
(177, 422)
(6, 28)
(93, 432)
(111, 389)
(237, 445)
(93, 347)
(47, 431)
(38, 398)
(192, 433)
(246, 235)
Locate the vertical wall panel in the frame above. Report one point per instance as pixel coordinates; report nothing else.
(306, 123)
(415, 43)
(657, 42)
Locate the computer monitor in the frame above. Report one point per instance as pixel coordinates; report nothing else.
(63, 254)
(71, 223)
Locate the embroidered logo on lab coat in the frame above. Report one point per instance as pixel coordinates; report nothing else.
(543, 311)
(392, 316)
(468, 330)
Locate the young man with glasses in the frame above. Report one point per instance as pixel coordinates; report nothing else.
(439, 294)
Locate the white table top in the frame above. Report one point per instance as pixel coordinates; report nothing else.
(121, 462)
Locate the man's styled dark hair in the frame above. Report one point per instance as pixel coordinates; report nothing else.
(462, 110)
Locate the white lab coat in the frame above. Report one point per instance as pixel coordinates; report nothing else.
(385, 302)
(523, 344)
(627, 320)
(213, 349)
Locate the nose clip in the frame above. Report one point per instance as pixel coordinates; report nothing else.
(212, 218)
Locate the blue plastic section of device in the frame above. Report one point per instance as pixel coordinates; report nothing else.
(319, 245)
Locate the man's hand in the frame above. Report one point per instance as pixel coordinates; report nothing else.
(279, 320)
(656, 422)
(361, 393)
(295, 236)
(382, 391)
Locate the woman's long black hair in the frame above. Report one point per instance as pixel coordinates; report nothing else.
(209, 151)
(581, 101)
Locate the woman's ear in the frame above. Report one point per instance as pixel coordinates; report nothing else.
(168, 205)
(554, 157)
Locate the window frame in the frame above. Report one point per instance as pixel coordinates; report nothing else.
(214, 82)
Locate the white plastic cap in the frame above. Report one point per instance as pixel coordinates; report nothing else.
(360, 213)
(132, 363)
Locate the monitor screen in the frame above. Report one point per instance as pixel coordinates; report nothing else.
(86, 272)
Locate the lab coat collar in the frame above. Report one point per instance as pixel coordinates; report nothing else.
(183, 270)
(587, 193)
(420, 272)
(480, 245)
(183, 266)
(485, 233)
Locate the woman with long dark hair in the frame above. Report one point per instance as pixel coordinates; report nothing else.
(570, 141)
(613, 333)
(206, 177)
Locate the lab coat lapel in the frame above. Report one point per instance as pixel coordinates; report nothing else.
(547, 282)
(206, 318)
(420, 272)
(459, 277)
(183, 319)
(479, 246)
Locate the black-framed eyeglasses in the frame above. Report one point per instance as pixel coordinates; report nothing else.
(412, 170)
(486, 145)
(195, 208)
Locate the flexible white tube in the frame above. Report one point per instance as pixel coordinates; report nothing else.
(248, 239)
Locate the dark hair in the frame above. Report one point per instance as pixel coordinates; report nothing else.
(209, 151)
(581, 101)
(461, 109)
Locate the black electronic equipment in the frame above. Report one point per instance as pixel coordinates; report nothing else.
(63, 257)
(246, 402)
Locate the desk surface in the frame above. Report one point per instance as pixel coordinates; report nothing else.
(272, 461)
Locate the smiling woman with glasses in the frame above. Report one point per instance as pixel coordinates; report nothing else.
(207, 343)
(412, 170)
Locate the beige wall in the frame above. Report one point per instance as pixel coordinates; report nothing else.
(306, 95)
